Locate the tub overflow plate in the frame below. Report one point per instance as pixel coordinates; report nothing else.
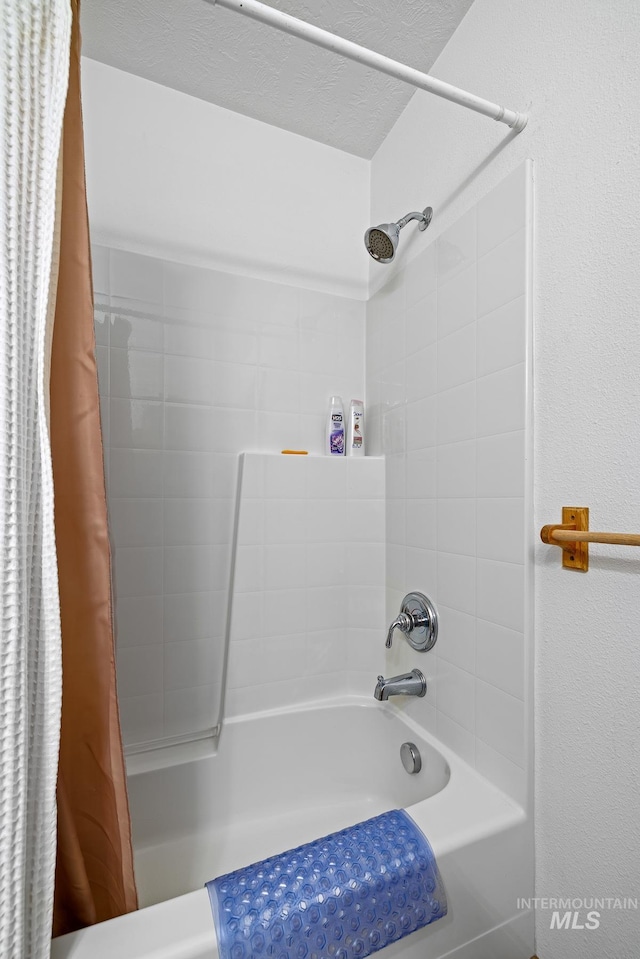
(410, 756)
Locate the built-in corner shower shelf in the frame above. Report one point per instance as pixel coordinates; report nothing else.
(573, 537)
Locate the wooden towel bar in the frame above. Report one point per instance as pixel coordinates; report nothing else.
(573, 536)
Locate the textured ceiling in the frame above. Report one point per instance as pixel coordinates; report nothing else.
(221, 56)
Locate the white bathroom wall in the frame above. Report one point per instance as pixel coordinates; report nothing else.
(196, 366)
(177, 177)
(447, 377)
(577, 71)
(308, 588)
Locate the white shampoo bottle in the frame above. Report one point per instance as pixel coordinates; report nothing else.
(355, 431)
(334, 441)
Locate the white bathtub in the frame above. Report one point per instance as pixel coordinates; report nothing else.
(283, 778)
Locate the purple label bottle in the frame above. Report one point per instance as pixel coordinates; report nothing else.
(335, 428)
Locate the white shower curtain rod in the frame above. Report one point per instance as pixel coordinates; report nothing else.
(322, 38)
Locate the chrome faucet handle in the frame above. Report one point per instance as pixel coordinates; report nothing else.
(402, 621)
(418, 620)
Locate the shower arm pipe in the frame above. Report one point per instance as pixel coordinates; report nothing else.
(353, 51)
(402, 222)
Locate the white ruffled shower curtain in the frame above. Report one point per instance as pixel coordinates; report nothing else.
(34, 68)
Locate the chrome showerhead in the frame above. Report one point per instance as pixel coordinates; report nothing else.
(382, 241)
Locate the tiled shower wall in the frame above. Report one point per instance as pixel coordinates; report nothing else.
(308, 596)
(196, 366)
(447, 390)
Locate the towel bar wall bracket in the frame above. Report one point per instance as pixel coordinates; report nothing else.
(573, 537)
(575, 555)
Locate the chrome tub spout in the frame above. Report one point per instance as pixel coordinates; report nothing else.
(408, 684)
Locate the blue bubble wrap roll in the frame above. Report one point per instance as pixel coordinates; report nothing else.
(342, 897)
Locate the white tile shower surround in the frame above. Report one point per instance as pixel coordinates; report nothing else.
(195, 366)
(447, 390)
(181, 350)
(308, 593)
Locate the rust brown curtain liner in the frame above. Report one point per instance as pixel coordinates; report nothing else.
(94, 873)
